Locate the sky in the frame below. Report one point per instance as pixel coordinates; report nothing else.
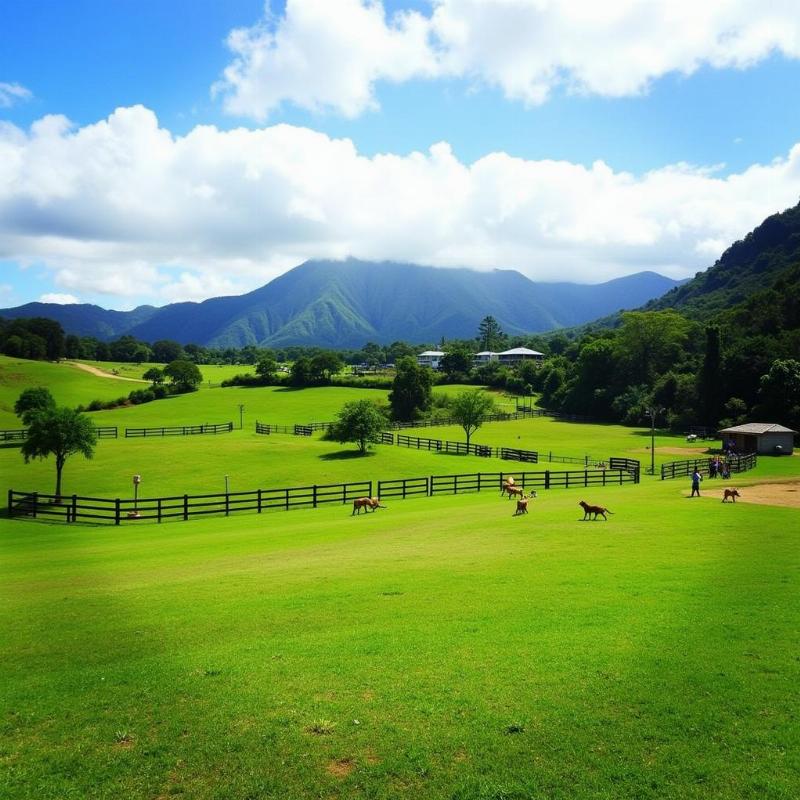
(167, 150)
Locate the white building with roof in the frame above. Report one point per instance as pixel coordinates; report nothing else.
(517, 355)
(766, 438)
(430, 358)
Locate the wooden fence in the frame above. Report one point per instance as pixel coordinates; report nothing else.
(682, 469)
(103, 432)
(73, 508)
(179, 430)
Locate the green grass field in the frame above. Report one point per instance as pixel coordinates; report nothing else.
(440, 648)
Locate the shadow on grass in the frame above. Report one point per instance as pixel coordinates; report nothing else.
(346, 455)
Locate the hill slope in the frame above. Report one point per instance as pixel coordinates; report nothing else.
(344, 304)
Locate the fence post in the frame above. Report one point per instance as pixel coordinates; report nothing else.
(370, 490)
(158, 511)
(35, 503)
(547, 478)
(604, 477)
(116, 511)
(186, 507)
(314, 497)
(227, 503)
(259, 501)
(10, 500)
(74, 509)
(586, 477)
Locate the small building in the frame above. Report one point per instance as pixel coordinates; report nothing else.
(517, 355)
(430, 358)
(759, 437)
(484, 357)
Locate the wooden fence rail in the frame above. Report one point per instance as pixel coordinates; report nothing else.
(179, 430)
(19, 435)
(681, 469)
(117, 510)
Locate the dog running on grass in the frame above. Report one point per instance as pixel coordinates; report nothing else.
(587, 510)
(522, 505)
(366, 503)
(732, 493)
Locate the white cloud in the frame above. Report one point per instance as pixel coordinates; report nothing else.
(124, 207)
(11, 93)
(329, 54)
(61, 299)
(323, 53)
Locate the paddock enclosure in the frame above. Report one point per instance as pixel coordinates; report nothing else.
(442, 648)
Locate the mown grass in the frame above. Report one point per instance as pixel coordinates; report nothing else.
(436, 649)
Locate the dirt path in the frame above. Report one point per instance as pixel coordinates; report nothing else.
(776, 493)
(102, 374)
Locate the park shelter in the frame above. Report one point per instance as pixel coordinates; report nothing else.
(766, 438)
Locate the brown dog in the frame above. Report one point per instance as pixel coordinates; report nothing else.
(522, 505)
(732, 493)
(366, 503)
(587, 510)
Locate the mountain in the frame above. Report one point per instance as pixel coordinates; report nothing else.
(346, 303)
(748, 267)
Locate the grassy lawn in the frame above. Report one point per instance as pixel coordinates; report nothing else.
(439, 649)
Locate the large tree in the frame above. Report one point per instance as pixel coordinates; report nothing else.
(59, 432)
(185, 375)
(490, 335)
(324, 365)
(360, 421)
(33, 400)
(469, 408)
(412, 389)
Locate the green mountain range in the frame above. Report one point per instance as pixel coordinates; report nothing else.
(346, 303)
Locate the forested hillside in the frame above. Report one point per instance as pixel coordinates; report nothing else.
(721, 349)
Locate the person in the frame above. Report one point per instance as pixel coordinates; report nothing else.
(712, 468)
(696, 478)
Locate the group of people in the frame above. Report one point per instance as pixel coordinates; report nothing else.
(717, 467)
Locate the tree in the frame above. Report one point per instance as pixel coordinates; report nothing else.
(185, 375)
(59, 432)
(490, 336)
(32, 401)
(360, 421)
(266, 367)
(411, 389)
(469, 408)
(779, 392)
(300, 374)
(457, 362)
(651, 342)
(166, 350)
(155, 375)
(325, 364)
(709, 379)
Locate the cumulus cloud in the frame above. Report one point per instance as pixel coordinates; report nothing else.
(323, 53)
(11, 93)
(329, 54)
(61, 299)
(126, 208)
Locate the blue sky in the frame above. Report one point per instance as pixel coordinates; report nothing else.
(566, 146)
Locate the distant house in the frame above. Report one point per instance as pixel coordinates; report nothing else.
(517, 355)
(759, 437)
(430, 358)
(484, 357)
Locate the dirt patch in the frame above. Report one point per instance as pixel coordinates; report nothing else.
(100, 373)
(771, 494)
(340, 768)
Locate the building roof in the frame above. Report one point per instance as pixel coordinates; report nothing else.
(432, 353)
(521, 351)
(486, 353)
(758, 428)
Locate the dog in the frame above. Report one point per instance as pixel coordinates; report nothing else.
(366, 503)
(522, 505)
(587, 510)
(732, 493)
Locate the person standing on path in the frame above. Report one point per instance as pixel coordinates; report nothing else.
(696, 478)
